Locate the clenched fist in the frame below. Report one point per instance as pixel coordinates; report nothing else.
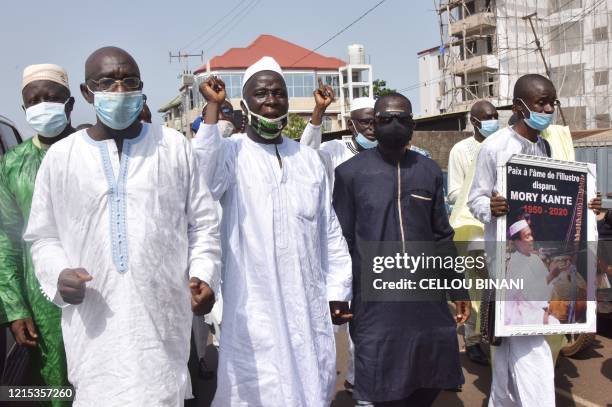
(71, 285)
(202, 296)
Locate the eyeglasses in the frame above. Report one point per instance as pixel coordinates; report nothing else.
(364, 122)
(104, 84)
(401, 117)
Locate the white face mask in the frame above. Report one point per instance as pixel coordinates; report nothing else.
(47, 118)
(226, 128)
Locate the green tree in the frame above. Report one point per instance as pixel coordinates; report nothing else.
(295, 126)
(380, 88)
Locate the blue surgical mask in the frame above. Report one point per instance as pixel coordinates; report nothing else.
(118, 110)
(488, 127)
(47, 118)
(538, 121)
(364, 142)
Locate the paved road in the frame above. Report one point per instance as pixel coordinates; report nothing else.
(584, 381)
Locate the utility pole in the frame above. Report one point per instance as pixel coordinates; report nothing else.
(186, 79)
(537, 42)
(185, 58)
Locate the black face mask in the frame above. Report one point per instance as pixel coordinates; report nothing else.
(393, 135)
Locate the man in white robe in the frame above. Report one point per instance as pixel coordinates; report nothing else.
(484, 120)
(523, 369)
(529, 305)
(335, 152)
(120, 221)
(284, 255)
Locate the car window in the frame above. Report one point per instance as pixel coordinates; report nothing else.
(8, 138)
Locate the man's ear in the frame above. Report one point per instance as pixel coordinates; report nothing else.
(89, 97)
(350, 125)
(69, 106)
(517, 108)
(474, 122)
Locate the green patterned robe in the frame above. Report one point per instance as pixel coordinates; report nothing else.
(20, 292)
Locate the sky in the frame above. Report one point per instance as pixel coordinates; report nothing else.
(66, 32)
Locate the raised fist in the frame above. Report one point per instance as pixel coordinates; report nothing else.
(213, 90)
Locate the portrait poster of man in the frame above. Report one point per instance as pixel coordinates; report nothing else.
(546, 248)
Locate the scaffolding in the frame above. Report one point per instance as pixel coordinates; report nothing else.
(486, 45)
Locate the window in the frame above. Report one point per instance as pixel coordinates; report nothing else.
(471, 48)
(565, 37)
(555, 6)
(601, 78)
(602, 121)
(233, 84)
(330, 79)
(600, 34)
(191, 105)
(568, 79)
(472, 91)
(300, 85)
(489, 44)
(470, 7)
(327, 124)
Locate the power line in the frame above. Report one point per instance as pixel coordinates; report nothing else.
(341, 31)
(232, 25)
(209, 29)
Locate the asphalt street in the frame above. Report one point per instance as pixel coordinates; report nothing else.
(585, 380)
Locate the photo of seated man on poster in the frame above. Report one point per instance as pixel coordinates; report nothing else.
(548, 264)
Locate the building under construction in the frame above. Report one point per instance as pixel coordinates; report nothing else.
(486, 45)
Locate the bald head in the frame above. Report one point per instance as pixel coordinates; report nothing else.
(528, 85)
(482, 109)
(393, 102)
(533, 93)
(110, 62)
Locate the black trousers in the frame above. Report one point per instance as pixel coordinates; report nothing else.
(419, 398)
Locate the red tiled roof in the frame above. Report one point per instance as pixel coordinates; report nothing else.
(285, 53)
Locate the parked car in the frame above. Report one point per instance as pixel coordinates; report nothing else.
(9, 135)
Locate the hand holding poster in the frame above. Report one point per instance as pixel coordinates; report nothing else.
(545, 250)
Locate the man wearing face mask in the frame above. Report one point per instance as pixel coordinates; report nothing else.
(225, 124)
(515, 380)
(287, 269)
(124, 239)
(361, 125)
(34, 321)
(392, 194)
(484, 118)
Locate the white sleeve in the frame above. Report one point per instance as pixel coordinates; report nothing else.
(328, 163)
(311, 136)
(336, 260)
(215, 159)
(483, 185)
(456, 174)
(48, 255)
(203, 229)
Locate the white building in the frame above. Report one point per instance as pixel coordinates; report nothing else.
(489, 44)
(302, 69)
